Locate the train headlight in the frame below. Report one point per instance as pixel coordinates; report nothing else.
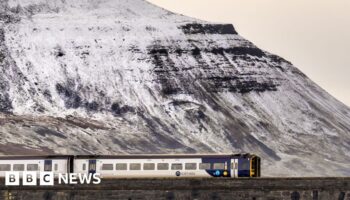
(225, 173)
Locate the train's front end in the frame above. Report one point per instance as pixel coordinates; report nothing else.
(246, 165)
(255, 166)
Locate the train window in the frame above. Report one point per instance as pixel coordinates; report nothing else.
(121, 166)
(5, 167)
(176, 166)
(107, 167)
(234, 166)
(56, 166)
(48, 165)
(204, 166)
(163, 166)
(219, 166)
(92, 166)
(149, 166)
(18, 167)
(191, 166)
(244, 164)
(84, 167)
(32, 167)
(135, 166)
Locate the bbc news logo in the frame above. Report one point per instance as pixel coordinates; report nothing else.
(48, 178)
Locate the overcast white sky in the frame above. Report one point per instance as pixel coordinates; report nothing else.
(313, 34)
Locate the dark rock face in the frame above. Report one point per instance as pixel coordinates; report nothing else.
(5, 102)
(117, 109)
(7, 17)
(45, 131)
(208, 29)
(215, 80)
(71, 98)
(239, 51)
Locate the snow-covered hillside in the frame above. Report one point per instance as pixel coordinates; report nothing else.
(125, 76)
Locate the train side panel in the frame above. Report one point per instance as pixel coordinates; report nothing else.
(142, 168)
(33, 165)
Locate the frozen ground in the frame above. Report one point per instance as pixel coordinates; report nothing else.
(108, 76)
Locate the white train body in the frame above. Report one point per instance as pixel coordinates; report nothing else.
(138, 166)
(142, 168)
(33, 163)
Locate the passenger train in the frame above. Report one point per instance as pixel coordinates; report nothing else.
(138, 166)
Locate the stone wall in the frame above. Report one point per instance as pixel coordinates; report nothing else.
(167, 189)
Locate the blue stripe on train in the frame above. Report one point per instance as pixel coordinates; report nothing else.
(243, 173)
(218, 173)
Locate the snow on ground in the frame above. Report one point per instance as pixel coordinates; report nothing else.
(126, 76)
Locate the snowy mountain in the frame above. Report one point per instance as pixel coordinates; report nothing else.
(125, 76)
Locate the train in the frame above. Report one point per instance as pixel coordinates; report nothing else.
(138, 166)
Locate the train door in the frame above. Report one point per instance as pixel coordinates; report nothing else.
(48, 165)
(234, 168)
(255, 167)
(92, 166)
(70, 164)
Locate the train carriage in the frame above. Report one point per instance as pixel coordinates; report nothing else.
(138, 166)
(143, 166)
(55, 164)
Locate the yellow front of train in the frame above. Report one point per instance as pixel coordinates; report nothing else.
(255, 166)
